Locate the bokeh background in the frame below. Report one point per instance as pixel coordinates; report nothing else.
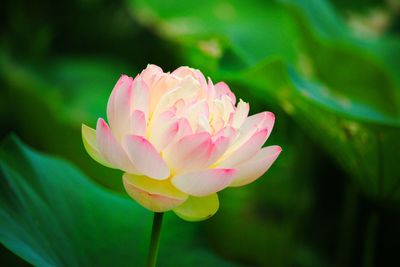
(329, 70)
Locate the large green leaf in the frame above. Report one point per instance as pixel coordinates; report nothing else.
(52, 215)
(366, 149)
(305, 34)
(51, 101)
(343, 90)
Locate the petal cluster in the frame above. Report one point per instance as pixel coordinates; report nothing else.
(180, 139)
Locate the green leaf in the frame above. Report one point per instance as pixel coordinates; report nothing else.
(343, 90)
(52, 215)
(66, 92)
(352, 134)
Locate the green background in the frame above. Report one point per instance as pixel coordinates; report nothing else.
(329, 70)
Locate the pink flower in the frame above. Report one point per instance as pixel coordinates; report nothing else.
(180, 139)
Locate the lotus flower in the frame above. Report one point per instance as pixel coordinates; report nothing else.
(180, 139)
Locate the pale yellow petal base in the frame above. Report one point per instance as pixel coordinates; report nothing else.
(198, 208)
(89, 142)
(155, 195)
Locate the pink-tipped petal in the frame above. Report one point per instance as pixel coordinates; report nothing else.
(111, 150)
(227, 131)
(263, 120)
(251, 125)
(184, 129)
(203, 183)
(151, 74)
(90, 144)
(145, 157)
(269, 122)
(190, 153)
(138, 123)
(155, 195)
(219, 147)
(141, 95)
(184, 71)
(255, 167)
(118, 107)
(221, 89)
(246, 151)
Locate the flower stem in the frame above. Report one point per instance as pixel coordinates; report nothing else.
(155, 238)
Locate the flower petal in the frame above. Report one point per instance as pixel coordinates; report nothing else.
(151, 74)
(119, 106)
(246, 151)
(111, 150)
(145, 157)
(218, 148)
(263, 120)
(141, 94)
(255, 167)
(157, 196)
(138, 121)
(240, 114)
(203, 183)
(222, 89)
(196, 209)
(90, 143)
(189, 153)
(163, 129)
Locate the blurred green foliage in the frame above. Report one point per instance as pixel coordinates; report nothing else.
(330, 71)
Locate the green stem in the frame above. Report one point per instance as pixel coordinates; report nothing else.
(155, 238)
(370, 239)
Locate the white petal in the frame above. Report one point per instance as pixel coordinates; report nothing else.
(255, 167)
(240, 114)
(141, 94)
(145, 157)
(111, 150)
(203, 183)
(190, 153)
(138, 121)
(246, 151)
(119, 107)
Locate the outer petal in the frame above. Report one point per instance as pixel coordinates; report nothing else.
(90, 143)
(157, 196)
(111, 150)
(198, 208)
(205, 182)
(263, 120)
(119, 106)
(253, 168)
(145, 157)
(253, 124)
(246, 151)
